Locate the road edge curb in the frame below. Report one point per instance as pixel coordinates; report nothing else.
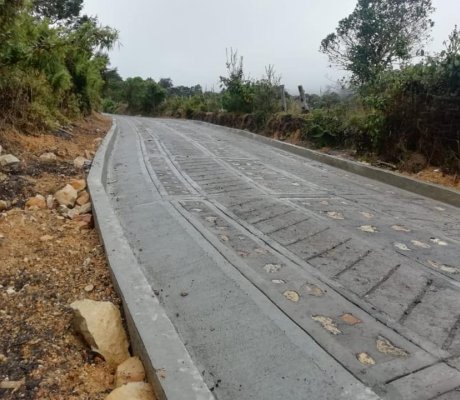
(154, 339)
(431, 190)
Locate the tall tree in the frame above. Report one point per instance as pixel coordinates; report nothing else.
(377, 35)
(153, 96)
(58, 10)
(166, 83)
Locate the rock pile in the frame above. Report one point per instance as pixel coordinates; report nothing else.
(79, 162)
(72, 202)
(99, 322)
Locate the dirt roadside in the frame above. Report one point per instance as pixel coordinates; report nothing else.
(428, 173)
(47, 262)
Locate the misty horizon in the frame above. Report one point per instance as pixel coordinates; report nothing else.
(164, 39)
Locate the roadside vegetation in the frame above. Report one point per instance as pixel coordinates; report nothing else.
(53, 271)
(396, 104)
(52, 60)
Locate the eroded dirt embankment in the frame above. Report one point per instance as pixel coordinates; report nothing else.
(50, 256)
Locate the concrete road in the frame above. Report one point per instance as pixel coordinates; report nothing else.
(285, 278)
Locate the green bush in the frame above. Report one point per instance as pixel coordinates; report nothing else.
(325, 127)
(237, 90)
(266, 96)
(50, 71)
(417, 109)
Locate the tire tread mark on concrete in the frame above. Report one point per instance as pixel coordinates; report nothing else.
(248, 190)
(328, 249)
(194, 165)
(382, 281)
(185, 179)
(283, 227)
(452, 333)
(352, 264)
(215, 181)
(148, 166)
(417, 300)
(219, 185)
(258, 208)
(390, 213)
(278, 171)
(305, 237)
(303, 196)
(204, 173)
(319, 232)
(222, 163)
(440, 396)
(230, 191)
(450, 279)
(200, 168)
(415, 371)
(222, 187)
(283, 212)
(211, 171)
(240, 203)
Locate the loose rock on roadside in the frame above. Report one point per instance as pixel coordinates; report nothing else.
(8, 159)
(4, 205)
(37, 202)
(132, 391)
(79, 162)
(130, 371)
(48, 158)
(100, 324)
(67, 196)
(83, 198)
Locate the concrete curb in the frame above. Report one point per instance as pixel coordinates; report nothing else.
(154, 339)
(430, 190)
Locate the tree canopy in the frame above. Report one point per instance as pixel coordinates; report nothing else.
(49, 71)
(378, 34)
(58, 10)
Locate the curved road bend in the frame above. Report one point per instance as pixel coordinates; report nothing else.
(286, 278)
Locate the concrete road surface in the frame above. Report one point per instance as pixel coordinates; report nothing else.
(286, 278)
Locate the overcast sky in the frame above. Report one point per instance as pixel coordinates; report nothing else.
(186, 39)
